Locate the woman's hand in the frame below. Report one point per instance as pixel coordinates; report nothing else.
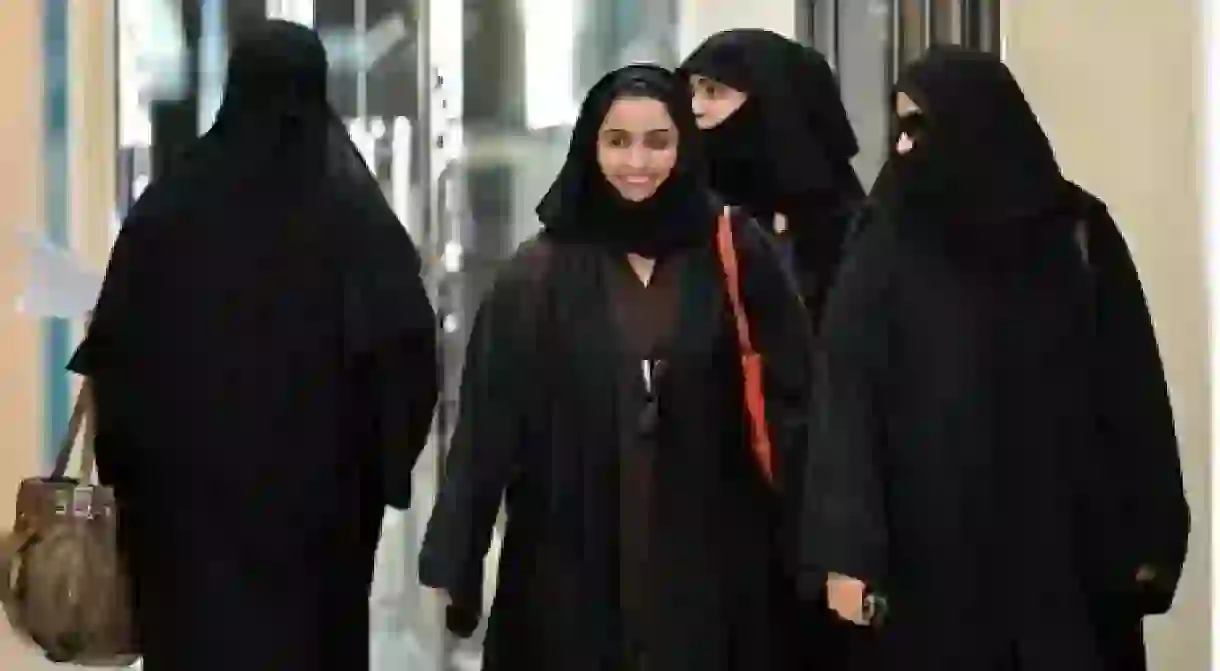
(845, 595)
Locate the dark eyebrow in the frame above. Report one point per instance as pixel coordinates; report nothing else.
(653, 131)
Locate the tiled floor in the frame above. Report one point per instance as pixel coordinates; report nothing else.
(16, 656)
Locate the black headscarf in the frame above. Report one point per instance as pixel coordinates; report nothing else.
(278, 164)
(981, 165)
(791, 141)
(582, 207)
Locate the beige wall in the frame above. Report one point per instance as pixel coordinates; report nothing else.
(1118, 86)
(20, 205)
(91, 174)
(699, 19)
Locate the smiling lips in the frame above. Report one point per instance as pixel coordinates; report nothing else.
(637, 180)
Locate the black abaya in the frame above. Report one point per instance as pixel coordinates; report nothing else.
(554, 445)
(787, 151)
(640, 529)
(995, 450)
(264, 360)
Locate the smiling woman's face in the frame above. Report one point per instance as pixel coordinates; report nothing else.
(637, 147)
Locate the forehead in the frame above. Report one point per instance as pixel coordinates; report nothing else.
(635, 113)
(905, 105)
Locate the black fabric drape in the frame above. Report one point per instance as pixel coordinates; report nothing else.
(792, 139)
(264, 358)
(788, 149)
(996, 449)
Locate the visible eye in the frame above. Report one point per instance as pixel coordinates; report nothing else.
(659, 140)
(617, 140)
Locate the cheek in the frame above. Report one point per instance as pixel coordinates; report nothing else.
(607, 159)
(700, 103)
(717, 112)
(720, 110)
(663, 162)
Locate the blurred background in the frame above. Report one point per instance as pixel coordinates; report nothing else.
(462, 108)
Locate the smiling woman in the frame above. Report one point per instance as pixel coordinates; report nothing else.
(636, 507)
(637, 147)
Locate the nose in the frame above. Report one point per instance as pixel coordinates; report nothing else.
(698, 105)
(637, 158)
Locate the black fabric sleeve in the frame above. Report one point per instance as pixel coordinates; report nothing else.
(119, 297)
(1135, 417)
(101, 354)
(843, 523)
(407, 379)
(482, 453)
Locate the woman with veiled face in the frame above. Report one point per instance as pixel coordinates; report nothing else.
(996, 455)
(779, 144)
(602, 399)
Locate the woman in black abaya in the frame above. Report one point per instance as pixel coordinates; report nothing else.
(602, 397)
(996, 452)
(779, 144)
(264, 365)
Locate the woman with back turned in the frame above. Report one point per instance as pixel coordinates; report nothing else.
(264, 364)
(996, 456)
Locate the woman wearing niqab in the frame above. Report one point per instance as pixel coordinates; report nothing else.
(996, 453)
(602, 400)
(264, 365)
(779, 144)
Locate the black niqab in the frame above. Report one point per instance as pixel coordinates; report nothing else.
(581, 206)
(982, 166)
(791, 141)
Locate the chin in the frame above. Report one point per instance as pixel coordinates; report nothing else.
(636, 195)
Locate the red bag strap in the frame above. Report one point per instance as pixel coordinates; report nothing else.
(728, 261)
(751, 363)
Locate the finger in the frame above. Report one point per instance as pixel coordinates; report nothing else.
(856, 618)
(853, 615)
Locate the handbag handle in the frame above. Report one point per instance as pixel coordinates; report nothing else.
(751, 361)
(83, 417)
